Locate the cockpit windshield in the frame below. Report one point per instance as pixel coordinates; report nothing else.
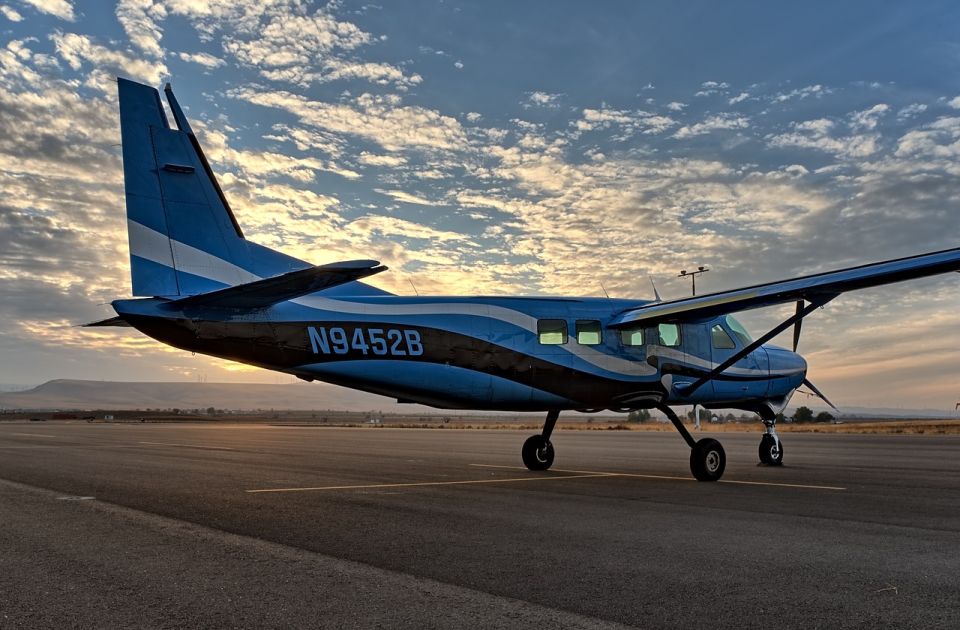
(738, 330)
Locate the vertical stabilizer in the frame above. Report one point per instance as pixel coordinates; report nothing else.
(184, 238)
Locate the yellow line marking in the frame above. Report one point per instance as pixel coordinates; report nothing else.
(783, 485)
(640, 476)
(427, 483)
(213, 448)
(32, 446)
(43, 435)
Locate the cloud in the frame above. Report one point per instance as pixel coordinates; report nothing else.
(405, 197)
(139, 20)
(542, 99)
(381, 120)
(713, 123)
(709, 88)
(954, 102)
(204, 59)
(816, 91)
(392, 226)
(10, 13)
(630, 121)
(742, 96)
(300, 49)
(458, 65)
(868, 118)
(78, 50)
(676, 106)
(914, 109)
(62, 9)
(372, 159)
(817, 134)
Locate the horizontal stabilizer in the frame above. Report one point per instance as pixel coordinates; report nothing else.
(113, 321)
(269, 291)
(817, 288)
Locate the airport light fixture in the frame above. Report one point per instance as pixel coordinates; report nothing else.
(693, 276)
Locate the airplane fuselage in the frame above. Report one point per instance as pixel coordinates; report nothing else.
(495, 353)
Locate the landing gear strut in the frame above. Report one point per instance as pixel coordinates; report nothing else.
(537, 451)
(707, 459)
(771, 448)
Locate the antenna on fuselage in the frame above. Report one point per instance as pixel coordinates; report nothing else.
(604, 290)
(414, 287)
(656, 294)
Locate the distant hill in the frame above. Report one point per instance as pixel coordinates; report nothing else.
(74, 394)
(88, 395)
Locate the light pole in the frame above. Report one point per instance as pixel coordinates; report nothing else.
(693, 288)
(693, 276)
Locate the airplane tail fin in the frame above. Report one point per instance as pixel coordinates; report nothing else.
(184, 238)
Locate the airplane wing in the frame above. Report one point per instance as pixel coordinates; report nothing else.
(815, 288)
(270, 291)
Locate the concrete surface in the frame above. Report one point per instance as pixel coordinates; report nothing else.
(269, 526)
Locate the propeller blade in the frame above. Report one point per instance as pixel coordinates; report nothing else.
(796, 327)
(816, 391)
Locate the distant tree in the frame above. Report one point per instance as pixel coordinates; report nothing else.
(705, 415)
(643, 415)
(824, 416)
(211, 411)
(690, 415)
(730, 418)
(803, 414)
(780, 417)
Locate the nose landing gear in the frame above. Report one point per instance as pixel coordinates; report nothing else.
(771, 448)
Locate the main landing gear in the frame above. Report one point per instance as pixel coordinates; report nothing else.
(771, 448)
(707, 459)
(537, 451)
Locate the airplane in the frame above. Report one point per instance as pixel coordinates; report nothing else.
(203, 287)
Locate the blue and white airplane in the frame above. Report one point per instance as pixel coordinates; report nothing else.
(208, 289)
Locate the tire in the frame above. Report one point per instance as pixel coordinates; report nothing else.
(537, 453)
(771, 450)
(707, 460)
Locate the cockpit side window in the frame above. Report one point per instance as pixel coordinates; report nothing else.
(738, 330)
(720, 338)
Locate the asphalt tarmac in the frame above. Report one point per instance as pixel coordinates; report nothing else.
(118, 525)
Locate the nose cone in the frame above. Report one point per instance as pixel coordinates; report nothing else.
(786, 367)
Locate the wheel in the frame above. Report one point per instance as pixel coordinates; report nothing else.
(771, 450)
(537, 453)
(707, 460)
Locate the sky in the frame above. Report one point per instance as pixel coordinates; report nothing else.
(545, 148)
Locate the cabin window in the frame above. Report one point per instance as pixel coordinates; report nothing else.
(632, 336)
(588, 332)
(721, 340)
(669, 335)
(552, 331)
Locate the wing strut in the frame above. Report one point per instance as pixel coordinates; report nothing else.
(793, 319)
